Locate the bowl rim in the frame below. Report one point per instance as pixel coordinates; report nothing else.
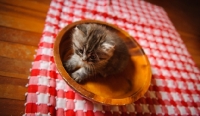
(89, 95)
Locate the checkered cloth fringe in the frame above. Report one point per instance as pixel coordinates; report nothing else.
(175, 86)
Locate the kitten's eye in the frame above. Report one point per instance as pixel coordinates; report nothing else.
(80, 51)
(92, 57)
(88, 52)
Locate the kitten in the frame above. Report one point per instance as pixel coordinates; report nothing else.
(96, 50)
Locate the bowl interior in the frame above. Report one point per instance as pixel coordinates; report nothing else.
(118, 89)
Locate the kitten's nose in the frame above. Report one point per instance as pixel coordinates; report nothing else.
(84, 58)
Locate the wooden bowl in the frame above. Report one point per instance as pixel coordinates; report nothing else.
(120, 89)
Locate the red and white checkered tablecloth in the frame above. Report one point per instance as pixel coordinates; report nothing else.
(175, 86)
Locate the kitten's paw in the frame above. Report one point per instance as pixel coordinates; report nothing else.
(78, 77)
(69, 67)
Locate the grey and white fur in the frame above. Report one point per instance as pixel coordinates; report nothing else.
(96, 50)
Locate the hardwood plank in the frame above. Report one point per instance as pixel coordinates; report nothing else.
(35, 5)
(19, 36)
(13, 88)
(12, 92)
(192, 45)
(13, 81)
(21, 24)
(21, 12)
(17, 51)
(26, 24)
(15, 75)
(14, 66)
(46, 2)
(10, 107)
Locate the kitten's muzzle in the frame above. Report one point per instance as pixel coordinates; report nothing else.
(84, 58)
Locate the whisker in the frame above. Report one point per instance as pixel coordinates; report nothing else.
(90, 70)
(94, 71)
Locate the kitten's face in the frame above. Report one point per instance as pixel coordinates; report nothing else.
(91, 45)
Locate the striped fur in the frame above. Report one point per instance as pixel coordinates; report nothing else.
(96, 51)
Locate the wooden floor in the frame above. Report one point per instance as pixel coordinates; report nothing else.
(21, 25)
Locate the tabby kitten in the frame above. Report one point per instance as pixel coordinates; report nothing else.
(96, 50)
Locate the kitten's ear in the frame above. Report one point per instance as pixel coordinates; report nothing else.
(82, 28)
(107, 47)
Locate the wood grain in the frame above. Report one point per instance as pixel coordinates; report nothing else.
(22, 22)
(19, 36)
(21, 25)
(14, 65)
(11, 107)
(18, 51)
(10, 86)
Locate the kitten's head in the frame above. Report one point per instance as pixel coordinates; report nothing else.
(92, 43)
